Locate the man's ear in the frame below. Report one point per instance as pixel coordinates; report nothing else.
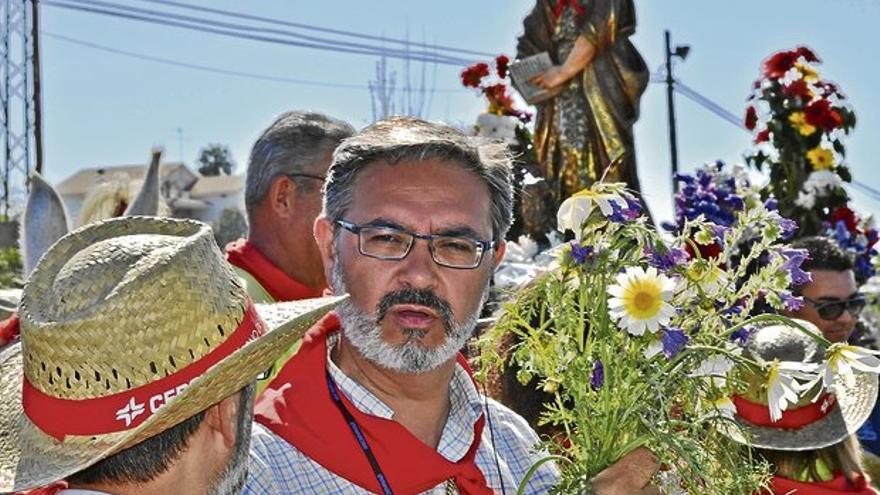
(282, 196)
(222, 419)
(500, 249)
(323, 231)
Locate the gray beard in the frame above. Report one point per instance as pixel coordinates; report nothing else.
(363, 331)
(232, 480)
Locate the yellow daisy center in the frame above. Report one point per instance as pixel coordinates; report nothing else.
(642, 299)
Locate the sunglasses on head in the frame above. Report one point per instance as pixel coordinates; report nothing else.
(831, 309)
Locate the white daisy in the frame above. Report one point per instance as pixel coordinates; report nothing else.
(785, 381)
(640, 300)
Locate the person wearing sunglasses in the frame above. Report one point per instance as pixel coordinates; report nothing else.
(832, 302)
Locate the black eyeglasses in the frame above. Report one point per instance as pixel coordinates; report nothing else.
(832, 309)
(388, 243)
(309, 176)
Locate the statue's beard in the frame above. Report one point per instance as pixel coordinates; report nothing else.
(363, 331)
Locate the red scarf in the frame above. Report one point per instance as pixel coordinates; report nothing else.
(784, 486)
(9, 329)
(297, 406)
(278, 284)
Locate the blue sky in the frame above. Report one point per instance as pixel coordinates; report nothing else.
(103, 108)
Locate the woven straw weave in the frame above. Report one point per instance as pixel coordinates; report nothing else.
(117, 305)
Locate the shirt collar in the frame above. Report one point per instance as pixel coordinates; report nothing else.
(465, 403)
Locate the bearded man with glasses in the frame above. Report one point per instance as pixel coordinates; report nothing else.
(378, 399)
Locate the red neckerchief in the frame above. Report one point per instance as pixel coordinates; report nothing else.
(46, 490)
(278, 284)
(840, 484)
(562, 4)
(9, 329)
(297, 407)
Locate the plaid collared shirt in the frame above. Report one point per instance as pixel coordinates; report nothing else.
(278, 467)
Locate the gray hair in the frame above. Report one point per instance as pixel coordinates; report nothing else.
(400, 139)
(292, 144)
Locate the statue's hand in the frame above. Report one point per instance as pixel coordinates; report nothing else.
(628, 476)
(551, 78)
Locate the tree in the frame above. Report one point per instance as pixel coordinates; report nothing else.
(214, 159)
(229, 226)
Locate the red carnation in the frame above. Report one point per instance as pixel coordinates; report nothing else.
(501, 65)
(821, 115)
(798, 88)
(473, 75)
(763, 136)
(779, 63)
(498, 98)
(847, 216)
(808, 54)
(751, 118)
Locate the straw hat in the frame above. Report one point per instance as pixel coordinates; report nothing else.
(851, 399)
(128, 327)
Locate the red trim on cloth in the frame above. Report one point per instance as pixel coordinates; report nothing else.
(562, 4)
(278, 284)
(9, 329)
(297, 406)
(122, 411)
(46, 490)
(840, 484)
(792, 419)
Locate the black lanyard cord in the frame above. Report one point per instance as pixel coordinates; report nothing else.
(359, 436)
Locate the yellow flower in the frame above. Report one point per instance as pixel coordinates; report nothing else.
(821, 158)
(799, 121)
(809, 73)
(640, 300)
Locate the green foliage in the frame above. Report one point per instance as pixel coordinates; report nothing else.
(10, 268)
(229, 226)
(565, 325)
(214, 159)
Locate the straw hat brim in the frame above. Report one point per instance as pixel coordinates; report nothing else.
(856, 394)
(30, 458)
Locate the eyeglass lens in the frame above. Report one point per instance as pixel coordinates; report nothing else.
(833, 309)
(389, 243)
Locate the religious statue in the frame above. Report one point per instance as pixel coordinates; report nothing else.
(598, 77)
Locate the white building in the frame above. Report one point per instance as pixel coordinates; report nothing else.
(187, 193)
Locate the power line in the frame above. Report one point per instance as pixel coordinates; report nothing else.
(376, 51)
(280, 22)
(217, 70)
(251, 28)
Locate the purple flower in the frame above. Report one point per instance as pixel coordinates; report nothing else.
(673, 340)
(627, 213)
(742, 335)
(598, 377)
(791, 302)
(771, 204)
(794, 258)
(580, 254)
(665, 261)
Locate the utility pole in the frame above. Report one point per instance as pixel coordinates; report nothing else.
(681, 51)
(38, 99)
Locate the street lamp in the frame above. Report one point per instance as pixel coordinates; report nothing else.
(681, 51)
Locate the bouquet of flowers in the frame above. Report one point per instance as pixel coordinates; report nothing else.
(638, 343)
(857, 236)
(798, 120)
(500, 101)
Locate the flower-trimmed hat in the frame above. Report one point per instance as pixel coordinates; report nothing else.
(128, 327)
(813, 422)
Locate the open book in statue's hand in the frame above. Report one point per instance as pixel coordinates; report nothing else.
(523, 70)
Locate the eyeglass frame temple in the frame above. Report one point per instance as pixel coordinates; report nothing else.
(310, 176)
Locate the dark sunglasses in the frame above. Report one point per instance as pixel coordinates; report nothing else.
(831, 310)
